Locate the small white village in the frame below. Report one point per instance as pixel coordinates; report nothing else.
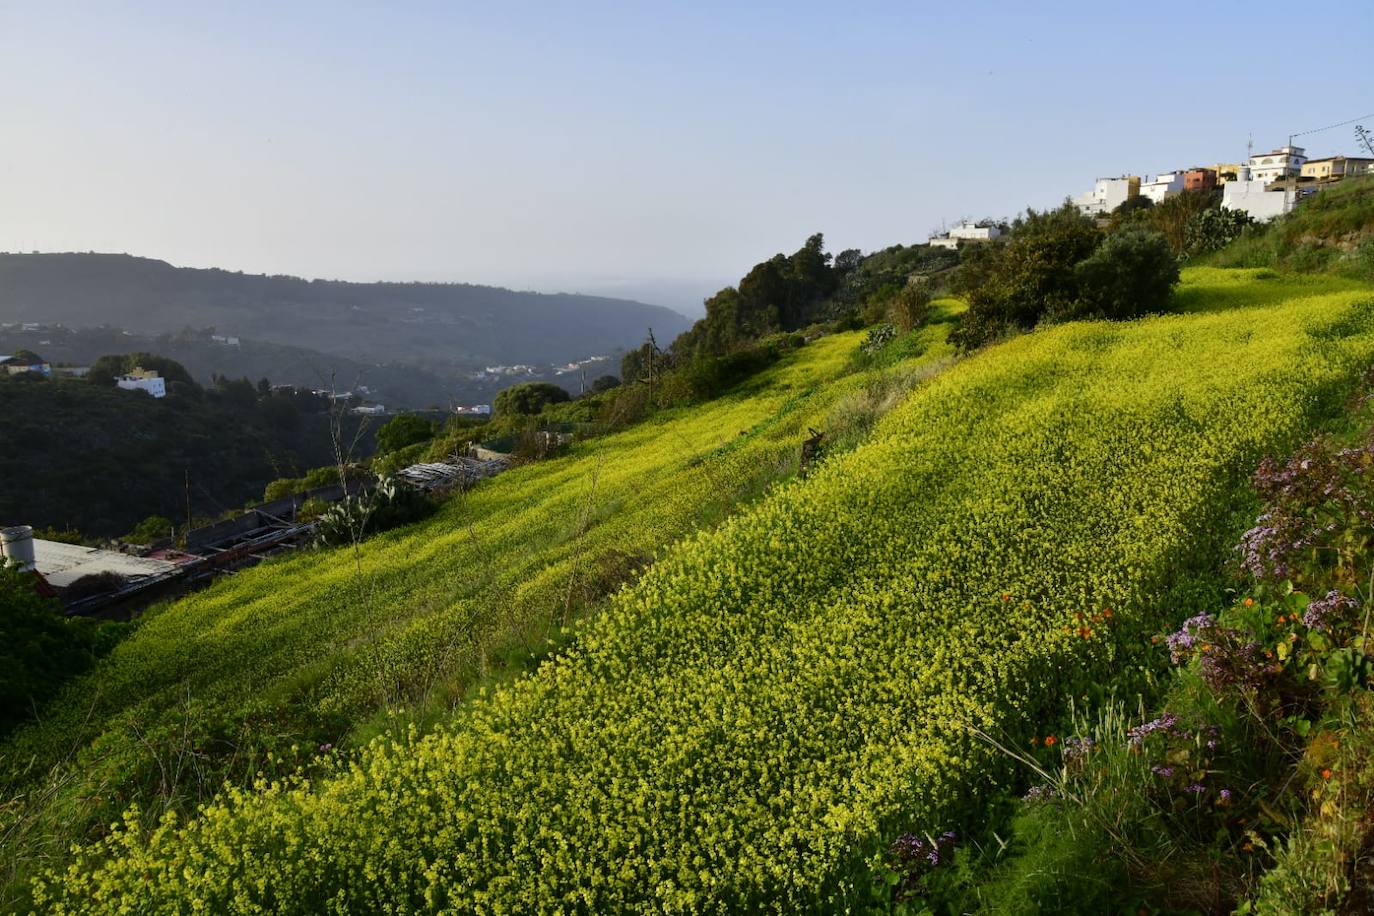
(1264, 186)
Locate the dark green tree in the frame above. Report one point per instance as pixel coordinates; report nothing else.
(1132, 273)
(404, 431)
(529, 398)
(39, 648)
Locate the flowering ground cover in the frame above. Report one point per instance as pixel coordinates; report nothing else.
(326, 648)
(751, 724)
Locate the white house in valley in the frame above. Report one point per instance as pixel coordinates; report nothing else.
(144, 380)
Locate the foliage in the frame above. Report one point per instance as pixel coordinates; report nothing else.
(910, 307)
(106, 369)
(753, 722)
(604, 383)
(1265, 725)
(784, 293)
(404, 430)
(1058, 266)
(528, 398)
(1214, 229)
(40, 649)
(1172, 216)
(1331, 231)
(383, 506)
(151, 529)
(1131, 274)
(123, 458)
(1013, 284)
(310, 650)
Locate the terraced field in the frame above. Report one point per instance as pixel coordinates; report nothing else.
(749, 723)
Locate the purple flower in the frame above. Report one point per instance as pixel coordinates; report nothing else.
(1166, 723)
(1040, 793)
(1164, 771)
(1181, 642)
(1224, 796)
(1322, 613)
(1195, 788)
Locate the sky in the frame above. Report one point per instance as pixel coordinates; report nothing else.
(654, 150)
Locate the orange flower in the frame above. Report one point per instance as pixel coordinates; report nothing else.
(1249, 602)
(1051, 741)
(1281, 619)
(1326, 774)
(1084, 632)
(1006, 597)
(1107, 612)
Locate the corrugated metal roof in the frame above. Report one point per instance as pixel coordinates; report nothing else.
(62, 564)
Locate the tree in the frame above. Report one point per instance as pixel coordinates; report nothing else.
(404, 431)
(1016, 283)
(106, 369)
(153, 528)
(529, 398)
(1057, 266)
(1172, 216)
(604, 383)
(39, 648)
(1216, 228)
(1132, 273)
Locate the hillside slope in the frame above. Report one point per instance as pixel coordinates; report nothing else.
(291, 655)
(775, 699)
(434, 325)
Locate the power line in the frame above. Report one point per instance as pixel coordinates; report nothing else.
(1317, 130)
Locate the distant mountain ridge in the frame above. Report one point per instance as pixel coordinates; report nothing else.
(442, 327)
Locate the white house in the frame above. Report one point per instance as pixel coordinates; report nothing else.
(1248, 195)
(1107, 194)
(1166, 184)
(1284, 162)
(143, 380)
(967, 231)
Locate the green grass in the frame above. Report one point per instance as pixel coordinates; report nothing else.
(1329, 232)
(255, 673)
(748, 724)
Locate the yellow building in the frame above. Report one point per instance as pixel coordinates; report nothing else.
(1226, 171)
(1336, 167)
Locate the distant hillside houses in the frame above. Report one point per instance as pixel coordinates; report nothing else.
(148, 380)
(13, 365)
(1266, 185)
(966, 231)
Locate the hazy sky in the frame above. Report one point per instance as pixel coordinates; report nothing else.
(589, 145)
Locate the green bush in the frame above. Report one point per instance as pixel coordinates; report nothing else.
(1132, 273)
(405, 430)
(529, 398)
(40, 650)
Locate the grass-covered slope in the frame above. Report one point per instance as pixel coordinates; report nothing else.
(256, 673)
(775, 698)
(1331, 231)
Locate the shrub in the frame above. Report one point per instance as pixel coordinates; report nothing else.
(404, 430)
(529, 398)
(1215, 228)
(39, 648)
(910, 307)
(1132, 273)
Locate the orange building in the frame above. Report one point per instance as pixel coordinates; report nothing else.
(1199, 180)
